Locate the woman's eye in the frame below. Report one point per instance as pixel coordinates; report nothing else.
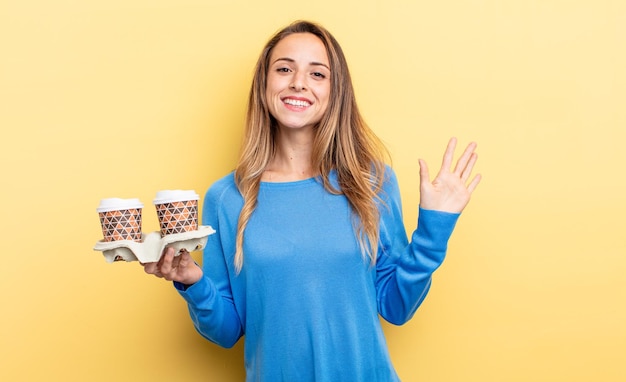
(282, 70)
(319, 75)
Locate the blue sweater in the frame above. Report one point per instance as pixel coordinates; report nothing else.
(306, 299)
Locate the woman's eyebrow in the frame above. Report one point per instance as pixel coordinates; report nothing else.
(314, 63)
(319, 64)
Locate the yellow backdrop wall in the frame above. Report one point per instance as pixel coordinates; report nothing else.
(124, 98)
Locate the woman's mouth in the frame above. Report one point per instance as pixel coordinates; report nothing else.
(298, 103)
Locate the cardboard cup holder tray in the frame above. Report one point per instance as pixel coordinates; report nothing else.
(151, 247)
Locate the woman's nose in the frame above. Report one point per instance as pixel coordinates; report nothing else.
(298, 82)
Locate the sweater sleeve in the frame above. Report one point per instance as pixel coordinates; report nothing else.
(404, 269)
(210, 300)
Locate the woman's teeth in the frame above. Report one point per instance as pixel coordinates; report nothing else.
(295, 102)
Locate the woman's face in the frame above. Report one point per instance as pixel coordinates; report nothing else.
(298, 81)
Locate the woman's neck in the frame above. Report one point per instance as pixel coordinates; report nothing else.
(292, 160)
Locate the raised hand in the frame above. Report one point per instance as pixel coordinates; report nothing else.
(181, 268)
(450, 190)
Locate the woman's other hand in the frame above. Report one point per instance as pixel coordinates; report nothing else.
(451, 189)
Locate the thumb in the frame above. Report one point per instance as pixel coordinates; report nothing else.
(184, 258)
(424, 174)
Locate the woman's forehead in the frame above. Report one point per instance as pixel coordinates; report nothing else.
(301, 48)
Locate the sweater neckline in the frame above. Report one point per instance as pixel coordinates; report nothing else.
(293, 183)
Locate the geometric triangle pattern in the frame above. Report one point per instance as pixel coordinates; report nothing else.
(121, 224)
(178, 217)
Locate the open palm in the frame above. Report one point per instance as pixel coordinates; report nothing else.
(450, 190)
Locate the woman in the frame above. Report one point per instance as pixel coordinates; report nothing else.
(310, 246)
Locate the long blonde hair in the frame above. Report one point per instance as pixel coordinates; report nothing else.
(343, 142)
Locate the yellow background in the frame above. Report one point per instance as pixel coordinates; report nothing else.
(123, 98)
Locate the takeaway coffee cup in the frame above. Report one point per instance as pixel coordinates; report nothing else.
(177, 211)
(120, 219)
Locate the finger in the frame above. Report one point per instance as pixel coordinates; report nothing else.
(175, 261)
(474, 183)
(166, 261)
(150, 268)
(424, 174)
(181, 261)
(185, 259)
(162, 258)
(183, 254)
(465, 158)
(448, 156)
(467, 171)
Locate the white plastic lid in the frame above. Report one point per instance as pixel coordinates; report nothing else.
(114, 204)
(170, 196)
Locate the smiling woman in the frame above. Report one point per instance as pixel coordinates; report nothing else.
(326, 250)
(298, 85)
(121, 98)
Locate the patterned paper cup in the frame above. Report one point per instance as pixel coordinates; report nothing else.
(177, 211)
(120, 219)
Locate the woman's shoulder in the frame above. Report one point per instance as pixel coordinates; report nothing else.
(224, 187)
(389, 176)
(390, 186)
